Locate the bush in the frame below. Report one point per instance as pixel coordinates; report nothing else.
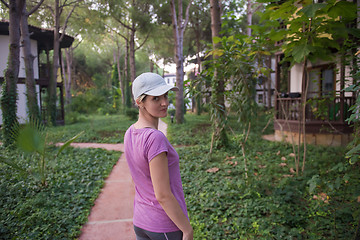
(74, 117)
(87, 102)
(107, 109)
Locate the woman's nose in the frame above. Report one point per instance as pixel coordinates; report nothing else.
(164, 101)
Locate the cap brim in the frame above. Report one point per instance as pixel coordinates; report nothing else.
(161, 90)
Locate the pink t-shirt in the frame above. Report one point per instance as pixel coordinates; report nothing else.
(141, 146)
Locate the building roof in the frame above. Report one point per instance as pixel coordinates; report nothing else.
(44, 37)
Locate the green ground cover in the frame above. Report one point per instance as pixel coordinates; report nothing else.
(272, 203)
(58, 210)
(97, 128)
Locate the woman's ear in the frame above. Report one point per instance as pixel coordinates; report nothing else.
(139, 103)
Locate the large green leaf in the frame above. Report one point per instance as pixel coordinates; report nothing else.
(300, 51)
(216, 39)
(343, 9)
(277, 35)
(30, 139)
(67, 143)
(310, 10)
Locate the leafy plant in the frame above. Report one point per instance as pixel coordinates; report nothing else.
(273, 203)
(32, 139)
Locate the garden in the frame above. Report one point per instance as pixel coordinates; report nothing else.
(270, 202)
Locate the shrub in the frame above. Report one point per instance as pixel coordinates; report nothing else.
(87, 102)
(74, 117)
(107, 109)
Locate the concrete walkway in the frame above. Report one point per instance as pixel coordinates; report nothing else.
(111, 216)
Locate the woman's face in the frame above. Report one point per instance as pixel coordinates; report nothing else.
(156, 105)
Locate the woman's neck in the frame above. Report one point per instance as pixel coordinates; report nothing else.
(146, 121)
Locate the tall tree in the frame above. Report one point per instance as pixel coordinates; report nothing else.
(32, 100)
(133, 16)
(219, 137)
(200, 22)
(57, 10)
(9, 94)
(179, 26)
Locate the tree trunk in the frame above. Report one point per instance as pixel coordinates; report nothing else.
(32, 101)
(128, 94)
(132, 54)
(198, 61)
(218, 88)
(9, 92)
(121, 81)
(178, 30)
(249, 17)
(69, 61)
(51, 107)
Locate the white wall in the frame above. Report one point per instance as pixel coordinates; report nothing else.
(21, 88)
(21, 103)
(296, 78)
(4, 53)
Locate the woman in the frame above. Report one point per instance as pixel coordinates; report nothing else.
(159, 206)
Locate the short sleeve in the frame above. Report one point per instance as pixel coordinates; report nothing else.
(155, 144)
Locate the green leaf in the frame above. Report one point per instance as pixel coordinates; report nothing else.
(216, 39)
(30, 139)
(313, 182)
(299, 52)
(10, 163)
(277, 35)
(343, 9)
(311, 9)
(67, 143)
(353, 151)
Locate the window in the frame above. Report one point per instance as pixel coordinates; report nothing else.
(260, 98)
(321, 81)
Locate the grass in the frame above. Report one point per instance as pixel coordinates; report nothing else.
(97, 128)
(272, 203)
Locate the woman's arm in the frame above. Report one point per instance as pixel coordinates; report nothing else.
(161, 182)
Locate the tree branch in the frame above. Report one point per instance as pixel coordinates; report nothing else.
(69, 4)
(122, 23)
(114, 30)
(5, 3)
(66, 21)
(35, 8)
(143, 42)
(186, 16)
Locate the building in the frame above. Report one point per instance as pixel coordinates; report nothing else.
(170, 78)
(327, 106)
(41, 44)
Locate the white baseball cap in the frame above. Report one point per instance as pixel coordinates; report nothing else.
(150, 84)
